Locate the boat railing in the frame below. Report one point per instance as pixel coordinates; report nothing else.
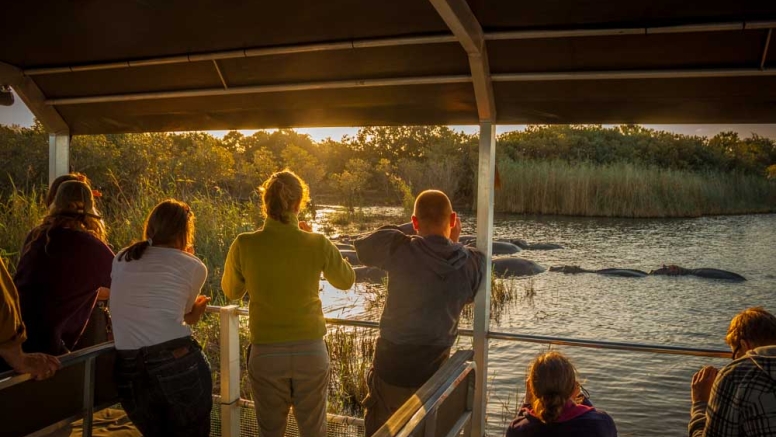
(39, 408)
(80, 368)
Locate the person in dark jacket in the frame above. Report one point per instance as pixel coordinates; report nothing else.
(65, 264)
(553, 406)
(430, 278)
(740, 399)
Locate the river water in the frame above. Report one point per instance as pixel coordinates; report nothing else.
(646, 394)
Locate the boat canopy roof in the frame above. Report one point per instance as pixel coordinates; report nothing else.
(109, 67)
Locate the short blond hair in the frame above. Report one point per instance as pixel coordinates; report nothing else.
(433, 207)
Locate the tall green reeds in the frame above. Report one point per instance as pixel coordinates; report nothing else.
(627, 190)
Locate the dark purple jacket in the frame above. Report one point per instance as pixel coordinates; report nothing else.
(58, 287)
(593, 423)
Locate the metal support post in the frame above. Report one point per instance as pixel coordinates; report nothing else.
(59, 155)
(230, 371)
(89, 371)
(485, 188)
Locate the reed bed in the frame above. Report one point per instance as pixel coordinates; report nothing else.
(627, 190)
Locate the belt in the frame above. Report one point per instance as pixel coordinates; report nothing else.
(178, 347)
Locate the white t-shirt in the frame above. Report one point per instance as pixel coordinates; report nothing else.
(149, 296)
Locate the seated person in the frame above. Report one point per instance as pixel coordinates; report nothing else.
(98, 327)
(12, 335)
(65, 261)
(552, 406)
(740, 399)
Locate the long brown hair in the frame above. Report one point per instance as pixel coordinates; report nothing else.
(52, 192)
(552, 380)
(281, 193)
(73, 207)
(170, 223)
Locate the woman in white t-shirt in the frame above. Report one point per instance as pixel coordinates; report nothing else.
(163, 377)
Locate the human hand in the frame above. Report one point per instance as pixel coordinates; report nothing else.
(200, 305)
(456, 230)
(702, 382)
(39, 366)
(305, 226)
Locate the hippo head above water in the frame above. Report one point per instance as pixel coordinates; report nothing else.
(670, 270)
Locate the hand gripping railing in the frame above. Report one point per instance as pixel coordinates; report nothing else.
(10, 388)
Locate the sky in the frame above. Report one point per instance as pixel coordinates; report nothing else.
(20, 115)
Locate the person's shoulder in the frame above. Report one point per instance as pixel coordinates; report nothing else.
(520, 426)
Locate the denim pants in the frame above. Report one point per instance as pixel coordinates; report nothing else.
(286, 374)
(166, 389)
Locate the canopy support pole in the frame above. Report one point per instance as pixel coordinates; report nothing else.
(485, 189)
(59, 156)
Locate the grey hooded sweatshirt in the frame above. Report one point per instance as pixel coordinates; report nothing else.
(743, 399)
(430, 279)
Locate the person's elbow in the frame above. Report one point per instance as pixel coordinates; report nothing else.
(345, 280)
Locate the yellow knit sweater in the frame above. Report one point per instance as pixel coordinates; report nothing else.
(280, 267)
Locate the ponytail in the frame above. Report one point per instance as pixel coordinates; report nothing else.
(549, 408)
(552, 380)
(135, 251)
(281, 193)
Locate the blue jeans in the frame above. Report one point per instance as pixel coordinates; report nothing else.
(166, 389)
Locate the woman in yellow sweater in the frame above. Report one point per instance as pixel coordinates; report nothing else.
(280, 267)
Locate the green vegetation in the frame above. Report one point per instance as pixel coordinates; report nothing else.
(623, 189)
(574, 170)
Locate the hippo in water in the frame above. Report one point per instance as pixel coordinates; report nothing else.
(508, 267)
(674, 270)
(625, 273)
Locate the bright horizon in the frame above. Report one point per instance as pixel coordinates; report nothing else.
(19, 114)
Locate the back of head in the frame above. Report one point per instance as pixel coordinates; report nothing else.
(72, 208)
(283, 194)
(52, 192)
(552, 380)
(754, 325)
(433, 209)
(170, 224)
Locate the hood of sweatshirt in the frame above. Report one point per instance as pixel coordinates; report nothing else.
(444, 256)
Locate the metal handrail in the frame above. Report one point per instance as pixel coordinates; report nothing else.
(11, 378)
(562, 341)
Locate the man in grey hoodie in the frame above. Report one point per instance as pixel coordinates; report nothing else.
(430, 278)
(740, 399)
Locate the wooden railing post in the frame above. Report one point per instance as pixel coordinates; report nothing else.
(230, 371)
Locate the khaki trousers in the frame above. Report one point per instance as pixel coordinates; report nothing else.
(290, 374)
(382, 401)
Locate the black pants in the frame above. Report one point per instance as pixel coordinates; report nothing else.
(166, 389)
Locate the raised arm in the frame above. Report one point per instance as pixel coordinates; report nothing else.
(377, 248)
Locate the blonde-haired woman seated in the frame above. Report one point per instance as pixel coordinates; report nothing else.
(280, 267)
(553, 404)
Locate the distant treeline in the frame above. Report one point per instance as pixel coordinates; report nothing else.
(386, 165)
